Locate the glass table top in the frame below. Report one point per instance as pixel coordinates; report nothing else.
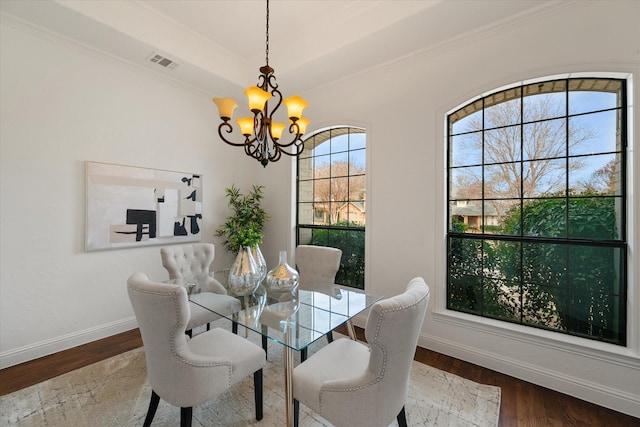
(294, 320)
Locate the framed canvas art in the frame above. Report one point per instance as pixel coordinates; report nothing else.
(131, 206)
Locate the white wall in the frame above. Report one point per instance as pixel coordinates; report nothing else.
(406, 104)
(62, 105)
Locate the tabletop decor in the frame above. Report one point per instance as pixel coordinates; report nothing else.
(244, 274)
(253, 302)
(260, 261)
(279, 315)
(244, 227)
(283, 278)
(131, 206)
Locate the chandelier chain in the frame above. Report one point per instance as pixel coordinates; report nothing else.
(267, 36)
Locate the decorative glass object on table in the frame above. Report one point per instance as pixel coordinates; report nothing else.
(283, 278)
(244, 275)
(280, 315)
(280, 287)
(260, 261)
(244, 280)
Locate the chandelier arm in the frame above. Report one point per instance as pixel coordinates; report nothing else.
(275, 155)
(229, 130)
(271, 78)
(297, 143)
(255, 150)
(262, 82)
(296, 140)
(251, 150)
(276, 94)
(299, 150)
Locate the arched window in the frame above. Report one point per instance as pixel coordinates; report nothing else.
(537, 207)
(332, 197)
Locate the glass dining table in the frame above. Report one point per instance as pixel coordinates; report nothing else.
(294, 320)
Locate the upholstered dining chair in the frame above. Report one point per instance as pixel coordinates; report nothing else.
(317, 268)
(185, 371)
(352, 384)
(191, 263)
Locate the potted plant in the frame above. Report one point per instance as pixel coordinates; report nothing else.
(244, 227)
(242, 232)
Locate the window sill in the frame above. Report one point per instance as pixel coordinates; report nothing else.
(596, 350)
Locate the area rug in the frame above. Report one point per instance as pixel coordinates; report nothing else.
(115, 392)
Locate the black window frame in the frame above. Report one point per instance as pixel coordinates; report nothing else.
(345, 237)
(570, 245)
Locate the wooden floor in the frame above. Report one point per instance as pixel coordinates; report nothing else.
(523, 404)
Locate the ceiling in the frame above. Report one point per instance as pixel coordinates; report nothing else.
(218, 45)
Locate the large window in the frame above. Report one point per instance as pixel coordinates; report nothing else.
(537, 205)
(332, 197)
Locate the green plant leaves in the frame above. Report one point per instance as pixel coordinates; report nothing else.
(244, 227)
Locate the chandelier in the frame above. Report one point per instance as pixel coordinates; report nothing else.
(262, 134)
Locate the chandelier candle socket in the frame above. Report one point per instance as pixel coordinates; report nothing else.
(262, 134)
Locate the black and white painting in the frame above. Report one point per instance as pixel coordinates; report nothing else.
(131, 206)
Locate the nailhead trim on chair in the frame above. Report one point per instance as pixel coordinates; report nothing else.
(174, 296)
(384, 351)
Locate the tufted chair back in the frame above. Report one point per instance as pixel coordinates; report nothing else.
(187, 372)
(162, 312)
(317, 266)
(191, 263)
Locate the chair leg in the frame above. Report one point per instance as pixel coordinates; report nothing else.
(402, 418)
(234, 327)
(265, 345)
(303, 354)
(257, 392)
(208, 326)
(330, 336)
(264, 340)
(153, 406)
(186, 414)
(190, 333)
(296, 412)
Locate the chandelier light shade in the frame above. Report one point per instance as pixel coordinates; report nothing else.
(262, 134)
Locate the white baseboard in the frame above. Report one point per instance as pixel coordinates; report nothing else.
(44, 348)
(598, 394)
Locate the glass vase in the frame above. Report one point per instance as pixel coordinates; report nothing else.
(244, 275)
(283, 278)
(260, 261)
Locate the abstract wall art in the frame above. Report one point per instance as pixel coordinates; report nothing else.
(131, 206)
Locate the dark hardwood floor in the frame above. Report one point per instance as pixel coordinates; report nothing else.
(523, 404)
(38, 370)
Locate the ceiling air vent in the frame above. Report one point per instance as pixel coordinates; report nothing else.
(163, 61)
